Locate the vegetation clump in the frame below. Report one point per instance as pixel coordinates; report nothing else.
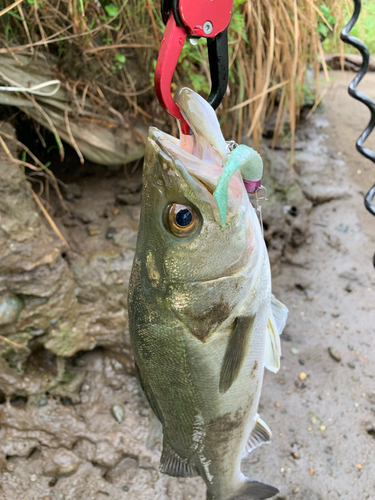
(106, 51)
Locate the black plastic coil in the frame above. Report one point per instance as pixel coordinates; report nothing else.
(360, 96)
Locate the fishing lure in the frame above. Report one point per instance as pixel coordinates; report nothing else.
(250, 164)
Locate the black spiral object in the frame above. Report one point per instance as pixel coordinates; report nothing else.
(360, 96)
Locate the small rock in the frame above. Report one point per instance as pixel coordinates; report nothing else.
(296, 455)
(315, 420)
(335, 354)
(342, 228)
(322, 193)
(286, 337)
(106, 211)
(312, 471)
(118, 412)
(335, 314)
(61, 462)
(130, 186)
(72, 191)
(87, 216)
(111, 231)
(129, 198)
(348, 276)
(43, 401)
(348, 288)
(125, 488)
(10, 309)
(302, 376)
(301, 362)
(106, 455)
(69, 221)
(294, 350)
(295, 490)
(351, 365)
(350, 347)
(33, 478)
(93, 231)
(355, 378)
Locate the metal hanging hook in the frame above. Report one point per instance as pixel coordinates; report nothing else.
(360, 96)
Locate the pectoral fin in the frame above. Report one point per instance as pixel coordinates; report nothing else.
(236, 352)
(149, 395)
(275, 326)
(280, 313)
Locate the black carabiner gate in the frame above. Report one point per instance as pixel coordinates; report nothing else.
(360, 96)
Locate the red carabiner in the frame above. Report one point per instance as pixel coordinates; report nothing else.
(171, 46)
(204, 18)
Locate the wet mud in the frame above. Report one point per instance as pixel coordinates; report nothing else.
(75, 424)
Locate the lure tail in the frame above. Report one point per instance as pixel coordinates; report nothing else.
(251, 490)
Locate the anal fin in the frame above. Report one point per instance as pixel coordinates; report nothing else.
(172, 465)
(236, 352)
(259, 435)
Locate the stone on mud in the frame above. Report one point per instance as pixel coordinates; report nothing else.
(60, 462)
(10, 308)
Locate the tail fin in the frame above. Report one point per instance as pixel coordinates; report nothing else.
(254, 490)
(251, 490)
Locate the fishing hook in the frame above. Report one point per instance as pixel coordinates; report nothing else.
(360, 96)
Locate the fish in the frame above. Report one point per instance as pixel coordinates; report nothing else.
(202, 317)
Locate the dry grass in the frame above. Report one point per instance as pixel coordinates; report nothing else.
(107, 51)
(283, 42)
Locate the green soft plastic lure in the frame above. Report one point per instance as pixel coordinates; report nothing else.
(250, 164)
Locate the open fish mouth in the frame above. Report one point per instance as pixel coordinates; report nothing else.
(199, 157)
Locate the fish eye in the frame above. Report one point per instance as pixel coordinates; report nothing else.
(182, 220)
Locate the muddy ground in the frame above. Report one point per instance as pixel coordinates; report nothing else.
(80, 429)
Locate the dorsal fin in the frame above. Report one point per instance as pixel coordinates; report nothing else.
(172, 465)
(236, 352)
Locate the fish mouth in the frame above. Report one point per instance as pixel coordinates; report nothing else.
(199, 157)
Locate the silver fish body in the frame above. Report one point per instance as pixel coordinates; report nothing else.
(200, 312)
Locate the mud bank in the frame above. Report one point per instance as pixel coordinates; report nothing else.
(74, 425)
